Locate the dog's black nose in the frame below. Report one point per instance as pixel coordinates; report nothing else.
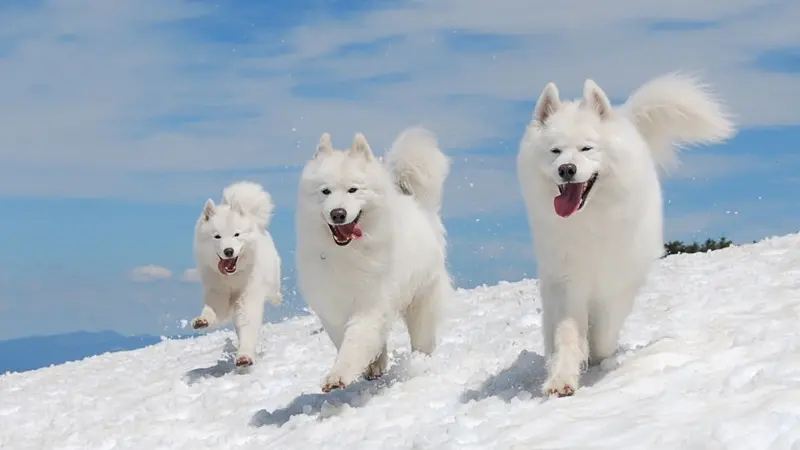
(339, 215)
(228, 252)
(567, 171)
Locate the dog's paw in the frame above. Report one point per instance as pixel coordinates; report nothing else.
(332, 382)
(244, 361)
(559, 387)
(373, 372)
(376, 369)
(564, 390)
(199, 322)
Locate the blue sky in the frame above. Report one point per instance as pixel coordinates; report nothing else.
(118, 119)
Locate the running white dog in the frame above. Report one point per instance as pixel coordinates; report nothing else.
(238, 264)
(588, 175)
(371, 246)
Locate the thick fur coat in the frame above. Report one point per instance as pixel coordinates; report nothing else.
(371, 246)
(589, 178)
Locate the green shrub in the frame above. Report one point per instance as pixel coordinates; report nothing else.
(677, 247)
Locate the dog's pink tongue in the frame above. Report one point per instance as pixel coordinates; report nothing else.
(568, 201)
(226, 265)
(351, 230)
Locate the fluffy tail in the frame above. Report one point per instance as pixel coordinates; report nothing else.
(674, 110)
(250, 198)
(419, 167)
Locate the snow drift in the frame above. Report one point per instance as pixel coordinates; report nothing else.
(709, 359)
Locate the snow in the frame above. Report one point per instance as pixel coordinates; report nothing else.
(709, 359)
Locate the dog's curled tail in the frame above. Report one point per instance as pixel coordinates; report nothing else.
(419, 167)
(674, 110)
(251, 198)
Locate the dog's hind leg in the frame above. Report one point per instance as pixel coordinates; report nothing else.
(607, 317)
(565, 323)
(423, 314)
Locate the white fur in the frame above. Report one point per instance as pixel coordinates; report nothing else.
(416, 168)
(238, 223)
(592, 263)
(396, 268)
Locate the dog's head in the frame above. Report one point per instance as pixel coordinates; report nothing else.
(566, 145)
(344, 187)
(224, 233)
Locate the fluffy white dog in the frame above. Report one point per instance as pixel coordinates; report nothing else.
(588, 175)
(371, 246)
(238, 264)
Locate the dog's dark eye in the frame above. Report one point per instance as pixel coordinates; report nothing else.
(586, 149)
(236, 235)
(556, 151)
(352, 190)
(216, 236)
(326, 191)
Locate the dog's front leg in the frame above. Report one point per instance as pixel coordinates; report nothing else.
(565, 323)
(364, 340)
(248, 318)
(216, 309)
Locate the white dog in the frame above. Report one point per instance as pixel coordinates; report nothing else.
(238, 264)
(371, 246)
(588, 175)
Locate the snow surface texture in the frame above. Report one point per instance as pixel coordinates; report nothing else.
(709, 360)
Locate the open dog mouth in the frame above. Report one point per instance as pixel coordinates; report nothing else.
(572, 196)
(227, 266)
(343, 234)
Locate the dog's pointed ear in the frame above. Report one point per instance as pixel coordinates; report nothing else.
(209, 209)
(596, 99)
(324, 146)
(361, 147)
(548, 103)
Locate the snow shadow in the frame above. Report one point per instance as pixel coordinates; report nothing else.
(526, 374)
(224, 366)
(523, 379)
(325, 405)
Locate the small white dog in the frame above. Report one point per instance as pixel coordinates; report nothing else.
(371, 246)
(588, 175)
(238, 264)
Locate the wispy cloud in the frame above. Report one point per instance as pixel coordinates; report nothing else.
(144, 274)
(140, 88)
(708, 166)
(168, 101)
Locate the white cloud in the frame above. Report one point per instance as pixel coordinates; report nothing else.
(191, 275)
(482, 184)
(709, 166)
(82, 83)
(149, 273)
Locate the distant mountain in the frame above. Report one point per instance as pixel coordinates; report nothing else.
(29, 353)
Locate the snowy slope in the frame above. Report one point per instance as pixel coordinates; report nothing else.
(710, 360)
